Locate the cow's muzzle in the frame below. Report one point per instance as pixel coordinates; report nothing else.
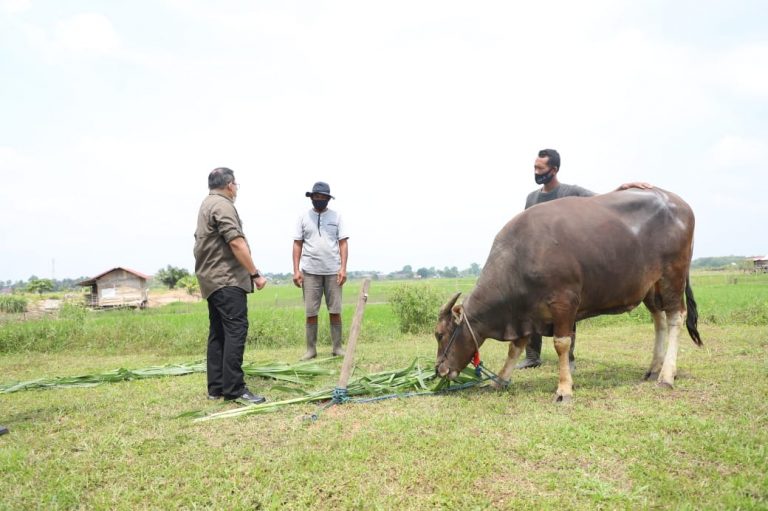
(445, 372)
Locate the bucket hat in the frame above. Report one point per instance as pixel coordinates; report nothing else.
(320, 187)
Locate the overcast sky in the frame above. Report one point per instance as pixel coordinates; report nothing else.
(424, 117)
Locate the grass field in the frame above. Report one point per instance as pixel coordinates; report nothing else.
(622, 443)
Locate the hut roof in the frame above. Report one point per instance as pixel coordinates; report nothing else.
(92, 281)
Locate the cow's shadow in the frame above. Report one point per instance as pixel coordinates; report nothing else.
(591, 374)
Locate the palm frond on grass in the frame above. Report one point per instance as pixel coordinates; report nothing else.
(293, 373)
(417, 379)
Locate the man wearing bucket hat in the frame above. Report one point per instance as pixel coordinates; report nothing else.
(320, 265)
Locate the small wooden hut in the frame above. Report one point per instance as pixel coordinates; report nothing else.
(118, 287)
(761, 263)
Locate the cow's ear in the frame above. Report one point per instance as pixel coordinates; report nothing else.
(458, 313)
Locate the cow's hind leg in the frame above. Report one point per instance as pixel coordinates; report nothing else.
(516, 347)
(669, 368)
(671, 291)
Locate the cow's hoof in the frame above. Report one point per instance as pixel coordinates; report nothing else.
(650, 376)
(665, 385)
(499, 384)
(563, 399)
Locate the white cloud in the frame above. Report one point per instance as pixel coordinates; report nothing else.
(733, 151)
(84, 34)
(89, 33)
(744, 70)
(15, 6)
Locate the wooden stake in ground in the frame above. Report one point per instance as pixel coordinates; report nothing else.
(354, 333)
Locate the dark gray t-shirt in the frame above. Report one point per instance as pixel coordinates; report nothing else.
(562, 190)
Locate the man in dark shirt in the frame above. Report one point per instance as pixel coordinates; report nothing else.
(545, 168)
(226, 272)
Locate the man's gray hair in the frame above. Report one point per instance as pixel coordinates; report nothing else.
(220, 177)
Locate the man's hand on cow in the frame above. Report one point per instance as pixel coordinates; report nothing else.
(341, 277)
(635, 184)
(298, 279)
(260, 282)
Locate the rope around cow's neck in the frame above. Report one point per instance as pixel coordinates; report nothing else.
(479, 367)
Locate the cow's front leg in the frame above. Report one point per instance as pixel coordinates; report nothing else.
(516, 347)
(565, 385)
(660, 329)
(669, 369)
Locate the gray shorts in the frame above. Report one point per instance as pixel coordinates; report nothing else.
(313, 289)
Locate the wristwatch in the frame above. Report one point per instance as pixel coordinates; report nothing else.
(255, 275)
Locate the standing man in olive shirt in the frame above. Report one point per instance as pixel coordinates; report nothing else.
(226, 272)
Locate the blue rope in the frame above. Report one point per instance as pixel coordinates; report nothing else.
(490, 375)
(339, 396)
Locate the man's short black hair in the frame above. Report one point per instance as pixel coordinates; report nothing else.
(220, 177)
(554, 157)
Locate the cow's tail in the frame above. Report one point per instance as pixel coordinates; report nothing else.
(692, 319)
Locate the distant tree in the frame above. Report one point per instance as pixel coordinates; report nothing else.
(39, 286)
(190, 283)
(423, 273)
(724, 262)
(170, 275)
(450, 273)
(474, 270)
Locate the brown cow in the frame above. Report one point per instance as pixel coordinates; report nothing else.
(575, 258)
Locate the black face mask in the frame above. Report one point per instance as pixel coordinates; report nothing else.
(542, 179)
(320, 204)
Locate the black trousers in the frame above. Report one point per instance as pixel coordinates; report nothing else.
(228, 315)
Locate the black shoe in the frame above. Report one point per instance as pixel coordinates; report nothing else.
(214, 397)
(247, 395)
(3, 430)
(529, 363)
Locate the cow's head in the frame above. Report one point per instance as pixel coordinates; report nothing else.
(455, 346)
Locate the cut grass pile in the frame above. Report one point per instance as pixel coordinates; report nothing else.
(416, 379)
(293, 373)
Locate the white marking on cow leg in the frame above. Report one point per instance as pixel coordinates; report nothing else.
(509, 364)
(660, 328)
(565, 385)
(669, 369)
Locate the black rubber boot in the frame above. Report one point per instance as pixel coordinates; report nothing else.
(311, 342)
(532, 353)
(3, 430)
(338, 351)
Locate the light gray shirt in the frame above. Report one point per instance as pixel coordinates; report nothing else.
(320, 233)
(562, 190)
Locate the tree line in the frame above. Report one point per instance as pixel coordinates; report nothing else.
(174, 277)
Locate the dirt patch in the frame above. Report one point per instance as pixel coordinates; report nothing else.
(158, 298)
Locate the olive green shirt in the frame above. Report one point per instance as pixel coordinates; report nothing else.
(215, 264)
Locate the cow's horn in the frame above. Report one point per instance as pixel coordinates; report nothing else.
(445, 309)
